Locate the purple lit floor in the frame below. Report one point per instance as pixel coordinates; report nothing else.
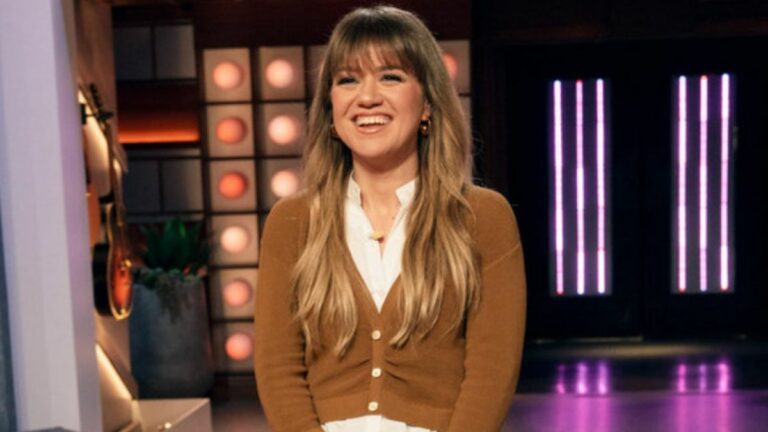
(617, 387)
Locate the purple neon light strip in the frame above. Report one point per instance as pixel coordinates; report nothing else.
(582, 378)
(682, 378)
(600, 189)
(723, 377)
(703, 180)
(559, 187)
(682, 125)
(580, 186)
(703, 375)
(603, 378)
(725, 114)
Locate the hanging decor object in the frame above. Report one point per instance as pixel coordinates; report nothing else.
(112, 256)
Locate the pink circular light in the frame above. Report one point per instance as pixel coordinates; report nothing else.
(283, 129)
(280, 73)
(239, 346)
(230, 130)
(235, 239)
(237, 292)
(227, 75)
(233, 185)
(451, 65)
(284, 183)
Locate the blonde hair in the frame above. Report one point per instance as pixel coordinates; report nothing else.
(439, 252)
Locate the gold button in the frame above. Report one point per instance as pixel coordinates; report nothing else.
(375, 335)
(373, 406)
(376, 372)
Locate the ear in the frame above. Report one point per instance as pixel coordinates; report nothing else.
(427, 111)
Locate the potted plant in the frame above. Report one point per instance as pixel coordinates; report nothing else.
(171, 354)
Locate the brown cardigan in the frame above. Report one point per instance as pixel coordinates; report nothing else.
(458, 380)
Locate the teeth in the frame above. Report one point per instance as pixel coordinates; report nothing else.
(371, 120)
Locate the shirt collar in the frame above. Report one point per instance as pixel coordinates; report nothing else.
(404, 193)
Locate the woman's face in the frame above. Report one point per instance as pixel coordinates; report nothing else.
(376, 112)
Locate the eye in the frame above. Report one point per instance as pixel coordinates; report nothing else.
(392, 77)
(344, 80)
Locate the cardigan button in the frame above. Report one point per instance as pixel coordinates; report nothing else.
(373, 406)
(376, 372)
(375, 335)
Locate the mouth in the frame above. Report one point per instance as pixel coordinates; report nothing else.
(371, 123)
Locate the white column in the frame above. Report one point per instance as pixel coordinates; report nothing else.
(45, 236)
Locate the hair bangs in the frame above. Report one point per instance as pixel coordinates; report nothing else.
(362, 46)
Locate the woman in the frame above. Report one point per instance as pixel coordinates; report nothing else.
(391, 293)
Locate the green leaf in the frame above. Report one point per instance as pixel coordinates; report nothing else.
(175, 246)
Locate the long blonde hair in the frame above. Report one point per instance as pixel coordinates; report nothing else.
(439, 252)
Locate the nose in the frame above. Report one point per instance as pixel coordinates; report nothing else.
(369, 93)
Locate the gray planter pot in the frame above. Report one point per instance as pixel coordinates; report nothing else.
(171, 356)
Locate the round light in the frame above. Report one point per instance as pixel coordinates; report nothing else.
(239, 346)
(283, 129)
(284, 183)
(230, 130)
(280, 73)
(237, 292)
(235, 239)
(451, 65)
(233, 185)
(227, 75)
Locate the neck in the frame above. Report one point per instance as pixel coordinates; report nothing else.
(378, 186)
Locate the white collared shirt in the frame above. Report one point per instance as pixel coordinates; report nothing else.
(379, 271)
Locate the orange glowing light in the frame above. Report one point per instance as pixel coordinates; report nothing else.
(280, 73)
(233, 185)
(284, 183)
(227, 75)
(235, 239)
(239, 346)
(237, 292)
(230, 130)
(283, 129)
(158, 126)
(451, 65)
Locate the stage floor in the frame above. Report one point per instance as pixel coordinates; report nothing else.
(617, 386)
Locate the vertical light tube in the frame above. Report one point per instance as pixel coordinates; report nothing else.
(602, 377)
(682, 377)
(559, 187)
(703, 377)
(723, 377)
(580, 186)
(703, 180)
(725, 114)
(600, 188)
(560, 380)
(682, 157)
(582, 378)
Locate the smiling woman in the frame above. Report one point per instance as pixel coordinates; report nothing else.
(377, 108)
(391, 292)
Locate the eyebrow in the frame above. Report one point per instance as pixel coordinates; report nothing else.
(382, 68)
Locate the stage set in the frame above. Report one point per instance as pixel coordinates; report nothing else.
(628, 137)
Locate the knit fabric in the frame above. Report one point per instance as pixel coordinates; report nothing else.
(455, 380)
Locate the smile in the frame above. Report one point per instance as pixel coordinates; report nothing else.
(372, 120)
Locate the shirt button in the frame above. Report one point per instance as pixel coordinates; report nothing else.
(373, 406)
(375, 335)
(376, 372)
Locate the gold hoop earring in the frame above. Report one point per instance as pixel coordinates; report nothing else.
(424, 127)
(334, 134)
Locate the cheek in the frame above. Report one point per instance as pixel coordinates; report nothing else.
(337, 106)
(415, 101)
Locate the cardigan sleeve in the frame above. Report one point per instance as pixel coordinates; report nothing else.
(279, 361)
(495, 327)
